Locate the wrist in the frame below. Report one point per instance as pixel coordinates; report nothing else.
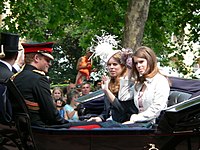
(133, 117)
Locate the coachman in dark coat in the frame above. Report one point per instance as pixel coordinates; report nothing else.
(8, 54)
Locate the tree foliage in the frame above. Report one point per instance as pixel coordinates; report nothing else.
(73, 24)
(167, 18)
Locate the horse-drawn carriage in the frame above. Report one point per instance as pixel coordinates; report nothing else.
(177, 128)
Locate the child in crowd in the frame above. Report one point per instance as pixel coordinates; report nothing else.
(70, 107)
(60, 107)
(57, 93)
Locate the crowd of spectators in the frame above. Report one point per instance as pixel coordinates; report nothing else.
(65, 97)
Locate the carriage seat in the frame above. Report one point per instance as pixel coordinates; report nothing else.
(176, 97)
(182, 89)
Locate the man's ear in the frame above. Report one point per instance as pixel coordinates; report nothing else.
(37, 57)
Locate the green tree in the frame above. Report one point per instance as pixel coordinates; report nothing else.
(64, 70)
(136, 17)
(73, 24)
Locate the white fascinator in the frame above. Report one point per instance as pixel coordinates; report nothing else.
(105, 46)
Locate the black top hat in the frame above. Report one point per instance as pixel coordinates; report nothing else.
(9, 42)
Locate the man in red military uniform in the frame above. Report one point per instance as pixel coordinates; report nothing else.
(34, 84)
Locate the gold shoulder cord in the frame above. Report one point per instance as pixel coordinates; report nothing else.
(36, 71)
(13, 76)
(40, 72)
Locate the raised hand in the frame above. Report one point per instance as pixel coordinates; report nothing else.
(105, 80)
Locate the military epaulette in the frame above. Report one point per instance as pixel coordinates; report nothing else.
(14, 75)
(40, 72)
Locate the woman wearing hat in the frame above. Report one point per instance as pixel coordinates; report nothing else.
(118, 87)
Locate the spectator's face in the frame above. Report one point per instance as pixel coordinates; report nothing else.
(88, 54)
(71, 87)
(59, 103)
(85, 89)
(98, 86)
(74, 98)
(114, 68)
(57, 94)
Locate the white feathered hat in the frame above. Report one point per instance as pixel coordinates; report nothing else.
(105, 47)
(105, 52)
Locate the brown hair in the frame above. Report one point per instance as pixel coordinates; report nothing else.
(152, 69)
(29, 57)
(71, 94)
(115, 82)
